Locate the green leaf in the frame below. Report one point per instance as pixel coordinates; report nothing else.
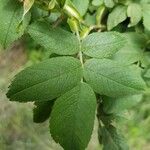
(11, 14)
(129, 54)
(112, 139)
(81, 6)
(118, 15)
(97, 2)
(56, 40)
(107, 77)
(42, 111)
(133, 50)
(144, 1)
(90, 19)
(71, 11)
(134, 11)
(72, 118)
(148, 84)
(109, 3)
(27, 4)
(116, 105)
(136, 39)
(46, 80)
(107, 118)
(146, 16)
(146, 59)
(102, 45)
(147, 74)
(61, 2)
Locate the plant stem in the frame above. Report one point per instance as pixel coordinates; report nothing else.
(80, 52)
(81, 57)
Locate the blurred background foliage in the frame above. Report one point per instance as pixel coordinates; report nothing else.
(17, 130)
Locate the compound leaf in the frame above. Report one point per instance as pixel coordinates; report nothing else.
(72, 117)
(46, 80)
(102, 45)
(118, 15)
(56, 40)
(108, 77)
(11, 14)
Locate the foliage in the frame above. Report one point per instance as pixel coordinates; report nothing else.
(98, 53)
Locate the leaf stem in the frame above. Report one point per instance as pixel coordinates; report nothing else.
(80, 52)
(81, 57)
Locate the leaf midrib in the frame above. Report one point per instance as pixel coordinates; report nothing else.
(45, 81)
(114, 80)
